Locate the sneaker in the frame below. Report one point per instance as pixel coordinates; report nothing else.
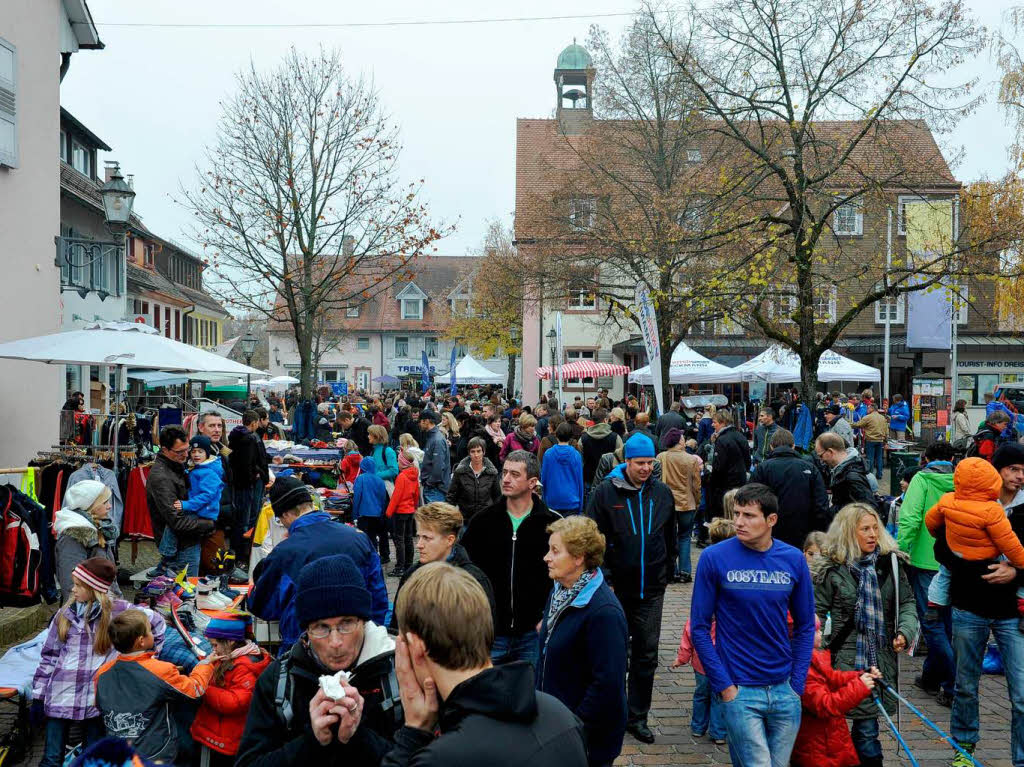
(928, 688)
(158, 572)
(640, 731)
(963, 761)
(227, 591)
(212, 601)
(685, 578)
(944, 698)
(238, 575)
(396, 573)
(719, 741)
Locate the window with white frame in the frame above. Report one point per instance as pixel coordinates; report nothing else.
(412, 309)
(582, 298)
(783, 306)
(430, 346)
(726, 326)
(363, 344)
(693, 155)
(352, 312)
(890, 309)
(825, 305)
(402, 346)
(848, 219)
(574, 355)
(8, 104)
(81, 158)
(582, 212)
(901, 210)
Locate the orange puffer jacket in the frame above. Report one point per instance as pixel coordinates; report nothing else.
(976, 525)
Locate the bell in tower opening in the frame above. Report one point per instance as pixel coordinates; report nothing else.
(574, 78)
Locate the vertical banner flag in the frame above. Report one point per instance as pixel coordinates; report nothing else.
(559, 351)
(451, 369)
(929, 228)
(425, 377)
(649, 327)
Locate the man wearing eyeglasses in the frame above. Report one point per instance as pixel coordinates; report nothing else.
(292, 720)
(167, 484)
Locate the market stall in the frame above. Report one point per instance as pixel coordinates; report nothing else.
(778, 364)
(469, 372)
(688, 366)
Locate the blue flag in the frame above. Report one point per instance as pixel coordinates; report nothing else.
(451, 369)
(426, 371)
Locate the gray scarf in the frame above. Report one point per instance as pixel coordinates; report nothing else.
(563, 597)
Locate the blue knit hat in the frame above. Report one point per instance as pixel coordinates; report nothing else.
(639, 446)
(331, 587)
(202, 442)
(229, 624)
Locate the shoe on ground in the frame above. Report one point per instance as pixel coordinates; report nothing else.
(677, 578)
(685, 578)
(640, 731)
(719, 741)
(396, 573)
(944, 698)
(931, 689)
(960, 760)
(696, 734)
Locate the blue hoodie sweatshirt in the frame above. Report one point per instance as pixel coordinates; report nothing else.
(561, 473)
(205, 484)
(369, 495)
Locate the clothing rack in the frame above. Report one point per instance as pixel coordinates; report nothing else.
(17, 470)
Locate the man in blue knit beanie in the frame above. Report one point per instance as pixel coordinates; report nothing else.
(636, 513)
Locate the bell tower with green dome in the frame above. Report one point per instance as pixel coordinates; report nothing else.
(574, 81)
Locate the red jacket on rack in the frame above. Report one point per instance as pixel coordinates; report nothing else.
(824, 739)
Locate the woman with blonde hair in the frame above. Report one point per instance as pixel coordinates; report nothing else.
(856, 582)
(83, 529)
(449, 427)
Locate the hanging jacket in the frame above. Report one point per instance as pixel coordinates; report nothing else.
(406, 497)
(220, 721)
(369, 495)
(975, 522)
(561, 474)
(205, 485)
(639, 526)
(108, 478)
(473, 493)
(824, 739)
(58, 680)
(583, 664)
(803, 431)
(923, 492)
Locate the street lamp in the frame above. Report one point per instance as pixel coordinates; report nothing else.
(118, 199)
(248, 346)
(552, 335)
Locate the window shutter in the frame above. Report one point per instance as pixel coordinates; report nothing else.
(8, 104)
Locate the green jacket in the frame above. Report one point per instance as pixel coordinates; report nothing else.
(835, 595)
(924, 491)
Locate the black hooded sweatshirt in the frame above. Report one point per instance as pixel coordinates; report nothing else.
(495, 718)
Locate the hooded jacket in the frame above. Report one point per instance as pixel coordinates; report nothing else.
(77, 541)
(312, 536)
(639, 526)
(514, 442)
(609, 461)
(923, 492)
(472, 493)
(495, 718)
(205, 485)
(595, 442)
(369, 495)
(513, 562)
(976, 524)
(824, 739)
(583, 664)
(165, 485)
(681, 472)
(458, 558)
(848, 483)
(561, 474)
(803, 502)
(406, 498)
(220, 721)
(269, 742)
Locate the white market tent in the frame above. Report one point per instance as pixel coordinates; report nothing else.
(154, 378)
(470, 372)
(687, 366)
(780, 365)
(284, 381)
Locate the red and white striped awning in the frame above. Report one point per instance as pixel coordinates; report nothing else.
(584, 369)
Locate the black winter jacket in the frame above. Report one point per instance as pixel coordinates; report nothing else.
(473, 494)
(247, 459)
(593, 446)
(268, 742)
(728, 468)
(360, 434)
(496, 719)
(639, 526)
(167, 484)
(458, 558)
(849, 484)
(513, 562)
(803, 502)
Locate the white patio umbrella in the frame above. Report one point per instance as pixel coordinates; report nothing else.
(284, 380)
(687, 366)
(776, 364)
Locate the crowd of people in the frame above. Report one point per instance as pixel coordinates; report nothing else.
(533, 547)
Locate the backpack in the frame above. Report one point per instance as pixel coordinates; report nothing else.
(19, 560)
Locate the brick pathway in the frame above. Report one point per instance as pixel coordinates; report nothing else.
(673, 693)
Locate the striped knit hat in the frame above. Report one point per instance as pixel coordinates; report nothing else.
(96, 573)
(229, 624)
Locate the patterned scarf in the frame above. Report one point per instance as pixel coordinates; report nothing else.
(563, 597)
(496, 434)
(870, 615)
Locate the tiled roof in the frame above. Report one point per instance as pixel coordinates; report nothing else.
(87, 190)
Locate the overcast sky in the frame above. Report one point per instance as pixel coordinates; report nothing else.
(455, 90)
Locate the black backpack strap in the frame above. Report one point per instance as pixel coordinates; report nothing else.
(391, 698)
(283, 693)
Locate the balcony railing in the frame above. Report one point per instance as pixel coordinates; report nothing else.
(90, 265)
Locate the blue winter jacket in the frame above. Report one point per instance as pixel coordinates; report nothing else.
(804, 429)
(899, 416)
(583, 664)
(205, 484)
(561, 474)
(311, 537)
(386, 461)
(369, 496)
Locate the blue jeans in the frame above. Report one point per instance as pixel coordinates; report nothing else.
(762, 723)
(864, 733)
(246, 503)
(57, 738)
(939, 667)
(684, 529)
(431, 494)
(970, 639)
(175, 556)
(508, 648)
(873, 452)
(707, 710)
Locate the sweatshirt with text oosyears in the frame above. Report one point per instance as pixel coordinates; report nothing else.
(748, 593)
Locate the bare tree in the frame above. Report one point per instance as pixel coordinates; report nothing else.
(823, 106)
(300, 203)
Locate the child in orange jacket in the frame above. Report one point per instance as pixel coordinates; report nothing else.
(976, 526)
(824, 739)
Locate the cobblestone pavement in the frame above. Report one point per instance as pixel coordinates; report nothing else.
(673, 693)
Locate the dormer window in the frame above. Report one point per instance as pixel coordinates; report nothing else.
(412, 309)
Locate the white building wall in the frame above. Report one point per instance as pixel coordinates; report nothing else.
(581, 331)
(347, 361)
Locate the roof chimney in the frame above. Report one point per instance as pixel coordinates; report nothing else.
(109, 167)
(348, 245)
(130, 179)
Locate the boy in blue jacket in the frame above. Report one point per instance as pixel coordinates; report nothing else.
(205, 485)
(561, 474)
(369, 502)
